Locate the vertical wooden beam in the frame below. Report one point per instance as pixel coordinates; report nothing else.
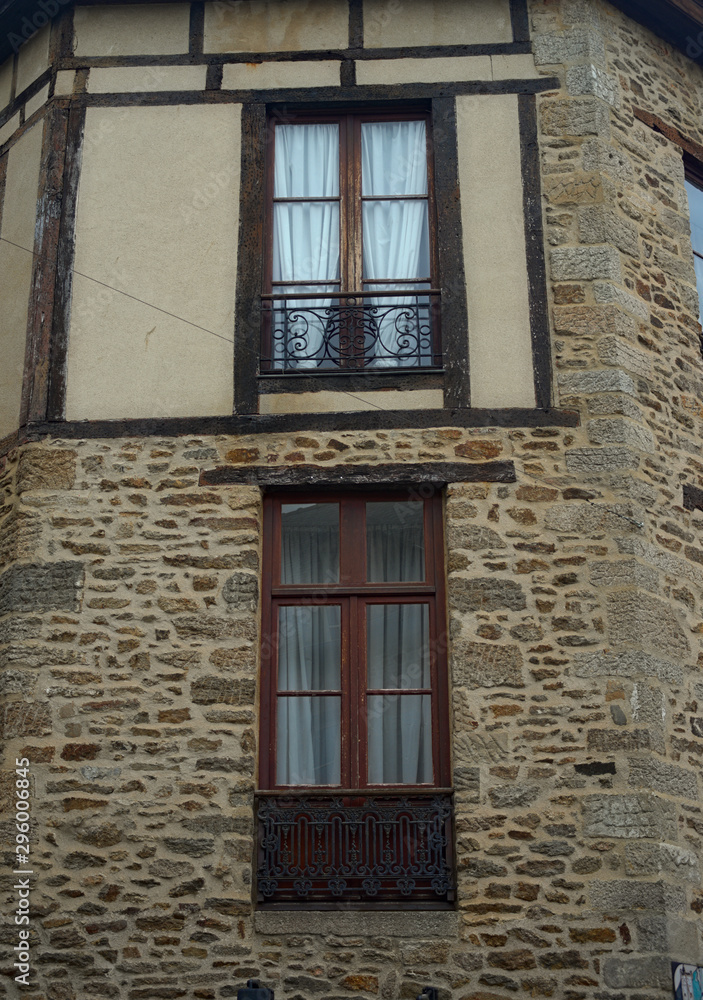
(534, 250)
(250, 253)
(46, 237)
(56, 394)
(450, 245)
(520, 20)
(197, 28)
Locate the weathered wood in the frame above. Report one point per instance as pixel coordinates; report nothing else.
(534, 251)
(196, 28)
(360, 475)
(520, 21)
(56, 394)
(35, 382)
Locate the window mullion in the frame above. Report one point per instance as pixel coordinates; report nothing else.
(355, 256)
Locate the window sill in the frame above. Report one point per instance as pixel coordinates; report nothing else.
(360, 923)
(409, 378)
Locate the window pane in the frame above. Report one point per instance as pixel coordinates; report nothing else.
(400, 739)
(393, 158)
(396, 240)
(306, 241)
(395, 542)
(307, 161)
(308, 741)
(309, 648)
(310, 543)
(698, 261)
(695, 208)
(398, 645)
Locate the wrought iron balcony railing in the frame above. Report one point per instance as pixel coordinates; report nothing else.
(338, 332)
(355, 848)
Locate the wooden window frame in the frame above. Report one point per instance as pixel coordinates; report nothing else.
(351, 281)
(351, 592)
(693, 171)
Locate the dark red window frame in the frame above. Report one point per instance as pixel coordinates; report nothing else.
(351, 281)
(353, 592)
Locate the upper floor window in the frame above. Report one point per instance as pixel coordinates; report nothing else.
(351, 270)
(694, 190)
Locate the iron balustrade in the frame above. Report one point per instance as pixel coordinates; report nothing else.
(380, 331)
(364, 848)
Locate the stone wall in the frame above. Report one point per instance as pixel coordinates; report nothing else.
(129, 636)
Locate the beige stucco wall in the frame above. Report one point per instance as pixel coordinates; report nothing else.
(131, 29)
(436, 22)
(157, 218)
(5, 82)
(250, 76)
(9, 127)
(145, 79)
(276, 25)
(19, 212)
(500, 352)
(34, 103)
(343, 402)
(33, 59)
(503, 67)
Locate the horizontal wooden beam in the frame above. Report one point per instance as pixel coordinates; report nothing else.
(359, 475)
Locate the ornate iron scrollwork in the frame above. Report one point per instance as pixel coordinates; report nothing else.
(363, 332)
(314, 847)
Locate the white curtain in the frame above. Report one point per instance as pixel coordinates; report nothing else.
(309, 651)
(305, 235)
(395, 230)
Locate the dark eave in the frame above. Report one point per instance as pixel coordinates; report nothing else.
(19, 19)
(679, 22)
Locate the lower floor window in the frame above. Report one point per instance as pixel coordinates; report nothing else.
(355, 802)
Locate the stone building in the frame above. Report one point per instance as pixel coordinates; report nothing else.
(351, 552)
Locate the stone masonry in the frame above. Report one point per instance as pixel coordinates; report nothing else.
(129, 631)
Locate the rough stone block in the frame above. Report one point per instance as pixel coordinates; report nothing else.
(54, 586)
(575, 116)
(46, 469)
(600, 321)
(485, 593)
(617, 352)
(572, 189)
(513, 796)
(214, 690)
(594, 461)
(599, 156)
(624, 573)
(603, 291)
(598, 224)
(628, 816)
(617, 430)
(643, 620)
(473, 537)
(662, 859)
(611, 741)
(663, 777)
(589, 518)
(589, 79)
(242, 591)
(25, 718)
(585, 263)
(627, 894)
(478, 664)
(586, 383)
(629, 663)
(653, 972)
(568, 46)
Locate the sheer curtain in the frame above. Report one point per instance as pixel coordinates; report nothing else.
(396, 233)
(305, 237)
(397, 653)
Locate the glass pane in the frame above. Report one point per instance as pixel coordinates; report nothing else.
(400, 739)
(307, 161)
(308, 741)
(396, 240)
(306, 241)
(395, 542)
(698, 261)
(310, 543)
(398, 645)
(393, 158)
(309, 648)
(695, 208)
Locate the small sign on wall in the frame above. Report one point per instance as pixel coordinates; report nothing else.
(688, 981)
